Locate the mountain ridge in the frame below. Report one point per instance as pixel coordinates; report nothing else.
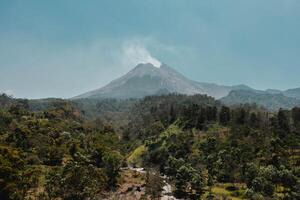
(146, 79)
(267, 100)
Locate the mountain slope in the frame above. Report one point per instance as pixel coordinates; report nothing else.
(267, 100)
(146, 79)
(295, 93)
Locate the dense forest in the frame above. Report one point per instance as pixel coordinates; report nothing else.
(84, 149)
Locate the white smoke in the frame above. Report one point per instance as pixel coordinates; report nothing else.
(135, 53)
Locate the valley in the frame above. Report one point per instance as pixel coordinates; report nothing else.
(158, 147)
(149, 100)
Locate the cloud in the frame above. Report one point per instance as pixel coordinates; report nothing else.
(135, 52)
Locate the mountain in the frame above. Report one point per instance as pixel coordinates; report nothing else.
(146, 79)
(271, 101)
(295, 93)
(273, 91)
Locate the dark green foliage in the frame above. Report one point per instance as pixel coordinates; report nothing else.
(283, 121)
(241, 116)
(296, 118)
(76, 181)
(77, 148)
(54, 156)
(251, 146)
(112, 164)
(167, 109)
(224, 115)
(77, 159)
(15, 177)
(183, 176)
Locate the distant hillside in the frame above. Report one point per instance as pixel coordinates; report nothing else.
(6, 101)
(295, 93)
(270, 101)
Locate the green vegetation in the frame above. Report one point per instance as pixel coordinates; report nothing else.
(207, 145)
(54, 154)
(135, 157)
(58, 149)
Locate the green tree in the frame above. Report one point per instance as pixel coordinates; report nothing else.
(241, 116)
(112, 162)
(283, 122)
(16, 178)
(224, 115)
(75, 181)
(197, 182)
(250, 172)
(296, 117)
(154, 184)
(183, 177)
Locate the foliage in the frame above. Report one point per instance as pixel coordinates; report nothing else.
(75, 181)
(75, 150)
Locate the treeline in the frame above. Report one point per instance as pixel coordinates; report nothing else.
(160, 112)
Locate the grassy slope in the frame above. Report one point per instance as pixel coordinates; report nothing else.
(135, 158)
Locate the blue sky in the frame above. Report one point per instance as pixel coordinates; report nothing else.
(61, 48)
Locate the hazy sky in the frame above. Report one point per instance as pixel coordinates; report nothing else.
(61, 48)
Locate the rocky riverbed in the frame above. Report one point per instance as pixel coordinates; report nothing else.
(167, 188)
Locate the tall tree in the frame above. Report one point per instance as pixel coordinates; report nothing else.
(224, 115)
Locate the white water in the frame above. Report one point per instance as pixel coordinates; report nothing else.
(167, 192)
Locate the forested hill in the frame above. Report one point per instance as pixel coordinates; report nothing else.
(210, 151)
(271, 101)
(60, 149)
(55, 153)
